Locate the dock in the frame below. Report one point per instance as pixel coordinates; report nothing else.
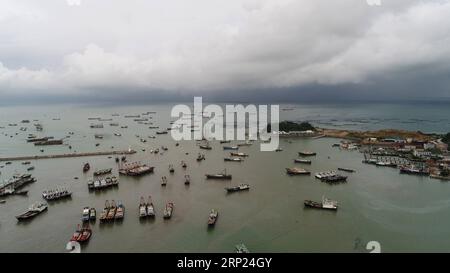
(35, 157)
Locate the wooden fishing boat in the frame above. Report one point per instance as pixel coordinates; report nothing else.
(82, 234)
(213, 217)
(168, 210)
(150, 208)
(104, 213)
(303, 161)
(241, 187)
(325, 204)
(112, 211)
(76, 234)
(205, 147)
(51, 195)
(183, 165)
(171, 169)
(86, 167)
(297, 171)
(222, 175)
(233, 159)
(346, 170)
(102, 172)
(34, 210)
(120, 212)
(307, 153)
(187, 179)
(142, 208)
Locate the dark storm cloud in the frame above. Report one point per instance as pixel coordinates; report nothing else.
(281, 50)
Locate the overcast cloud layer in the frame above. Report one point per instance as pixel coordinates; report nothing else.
(176, 48)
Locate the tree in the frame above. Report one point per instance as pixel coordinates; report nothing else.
(288, 126)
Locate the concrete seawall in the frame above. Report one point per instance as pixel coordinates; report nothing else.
(14, 158)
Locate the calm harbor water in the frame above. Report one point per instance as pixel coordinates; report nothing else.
(403, 213)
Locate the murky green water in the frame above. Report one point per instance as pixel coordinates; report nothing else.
(403, 213)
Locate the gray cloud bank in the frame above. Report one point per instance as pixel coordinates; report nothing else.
(251, 49)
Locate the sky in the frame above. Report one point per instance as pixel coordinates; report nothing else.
(264, 50)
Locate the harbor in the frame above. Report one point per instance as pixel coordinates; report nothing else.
(245, 203)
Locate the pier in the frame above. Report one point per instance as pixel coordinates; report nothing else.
(35, 157)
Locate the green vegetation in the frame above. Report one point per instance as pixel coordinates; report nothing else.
(288, 126)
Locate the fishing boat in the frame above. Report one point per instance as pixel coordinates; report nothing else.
(56, 194)
(142, 208)
(103, 183)
(222, 175)
(231, 147)
(205, 147)
(33, 210)
(3, 201)
(104, 213)
(330, 177)
(112, 211)
(233, 159)
(85, 215)
(297, 171)
(303, 161)
(278, 150)
(241, 248)
(161, 132)
(200, 157)
(325, 204)
(346, 170)
(183, 165)
(307, 153)
(168, 210)
(163, 181)
(171, 169)
(414, 170)
(82, 234)
(135, 169)
(120, 212)
(86, 167)
(92, 214)
(26, 163)
(241, 187)
(225, 141)
(320, 175)
(386, 164)
(97, 136)
(102, 172)
(239, 154)
(150, 208)
(187, 179)
(213, 217)
(30, 168)
(247, 143)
